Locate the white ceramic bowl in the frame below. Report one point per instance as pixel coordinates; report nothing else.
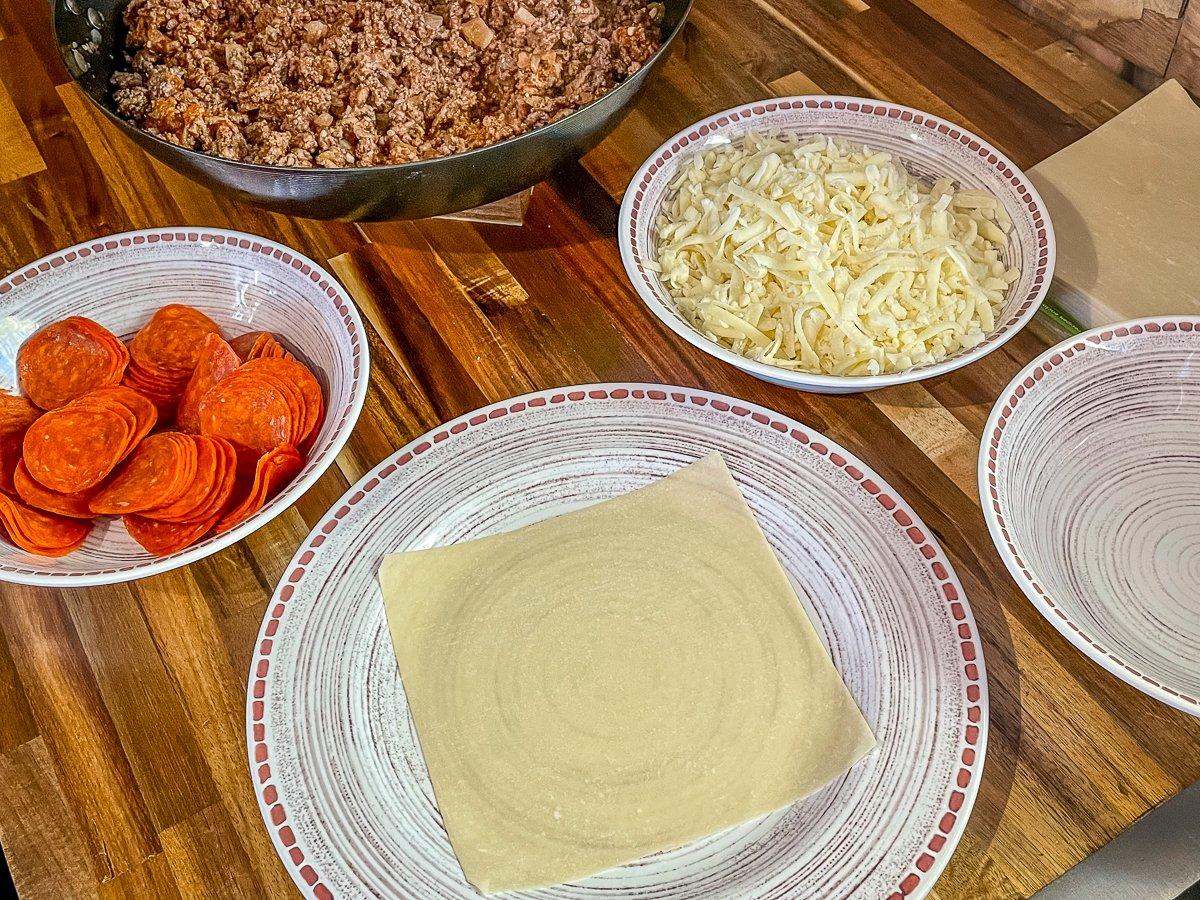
(242, 282)
(1090, 478)
(928, 146)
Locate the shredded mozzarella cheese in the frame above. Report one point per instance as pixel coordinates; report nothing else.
(819, 255)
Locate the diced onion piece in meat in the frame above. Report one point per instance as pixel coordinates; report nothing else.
(477, 33)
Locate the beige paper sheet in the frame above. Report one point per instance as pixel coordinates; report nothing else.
(1125, 204)
(614, 682)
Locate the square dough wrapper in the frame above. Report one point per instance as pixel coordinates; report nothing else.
(1124, 204)
(614, 682)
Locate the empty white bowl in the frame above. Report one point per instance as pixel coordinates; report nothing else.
(928, 146)
(1090, 479)
(244, 283)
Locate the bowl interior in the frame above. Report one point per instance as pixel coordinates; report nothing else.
(1095, 490)
(243, 283)
(928, 147)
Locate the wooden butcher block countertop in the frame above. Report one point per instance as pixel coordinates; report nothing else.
(122, 751)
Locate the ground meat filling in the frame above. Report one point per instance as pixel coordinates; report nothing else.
(370, 82)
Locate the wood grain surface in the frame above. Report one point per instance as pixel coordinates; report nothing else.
(1087, 14)
(1145, 40)
(121, 708)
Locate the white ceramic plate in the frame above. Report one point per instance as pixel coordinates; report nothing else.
(334, 758)
(1090, 474)
(928, 146)
(244, 283)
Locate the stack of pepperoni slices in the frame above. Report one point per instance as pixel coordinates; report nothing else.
(181, 433)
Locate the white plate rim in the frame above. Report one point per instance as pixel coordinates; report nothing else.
(956, 808)
(635, 271)
(1027, 380)
(360, 369)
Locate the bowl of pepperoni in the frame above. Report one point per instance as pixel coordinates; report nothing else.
(163, 394)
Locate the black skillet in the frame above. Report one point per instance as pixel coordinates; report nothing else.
(91, 34)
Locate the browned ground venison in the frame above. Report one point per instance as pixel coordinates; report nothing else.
(370, 82)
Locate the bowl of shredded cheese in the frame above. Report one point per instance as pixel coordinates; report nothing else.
(836, 244)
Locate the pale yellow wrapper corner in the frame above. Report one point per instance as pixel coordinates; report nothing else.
(1125, 204)
(613, 682)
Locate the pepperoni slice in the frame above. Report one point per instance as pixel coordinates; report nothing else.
(73, 448)
(289, 390)
(297, 376)
(270, 348)
(214, 457)
(258, 345)
(165, 538)
(274, 470)
(211, 493)
(74, 506)
(160, 471)
(42, 533)
(217, 360)
(123, 412)
(251, 413)
(10, 457)
(163, 393)
(138, 411)
(16, 414)
(225, 484)
(169, 344)
(139, 404)
(66, 359)
(154, 380)
(243, 344)
(197, 488)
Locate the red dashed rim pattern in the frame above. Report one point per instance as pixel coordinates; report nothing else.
(334, 433)
(1025, 383)
(634, 210)
(938, 845)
